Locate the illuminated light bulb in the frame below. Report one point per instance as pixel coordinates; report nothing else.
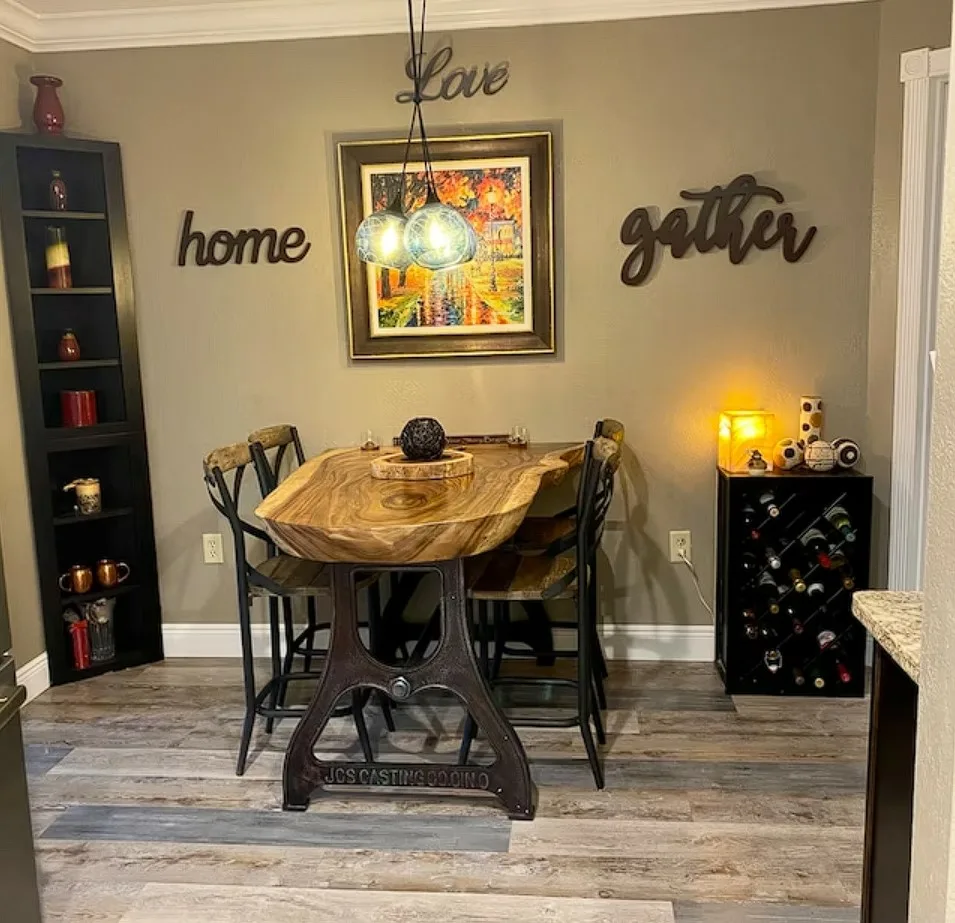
(437, 237)
(380, 240)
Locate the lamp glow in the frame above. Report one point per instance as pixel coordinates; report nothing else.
(437, 237)
(380, 240)
(741, 431)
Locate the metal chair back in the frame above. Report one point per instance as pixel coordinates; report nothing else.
(268, 467)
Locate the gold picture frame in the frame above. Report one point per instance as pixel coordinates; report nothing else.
(502, 303)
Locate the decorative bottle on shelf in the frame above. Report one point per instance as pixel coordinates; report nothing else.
(68, 349)
(58, 194)
(841, 522)
(58, 270)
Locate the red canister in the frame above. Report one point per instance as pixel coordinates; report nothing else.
(78, 408)
(79, 634)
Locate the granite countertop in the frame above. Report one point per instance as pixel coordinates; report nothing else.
(894, 619)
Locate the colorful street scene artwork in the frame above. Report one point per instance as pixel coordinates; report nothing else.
(490, 294)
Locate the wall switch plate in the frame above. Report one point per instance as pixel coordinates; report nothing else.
(212, 548)
(680, 542)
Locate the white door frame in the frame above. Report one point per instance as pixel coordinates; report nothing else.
(924, 75)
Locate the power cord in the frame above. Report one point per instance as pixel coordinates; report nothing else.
(696, 581)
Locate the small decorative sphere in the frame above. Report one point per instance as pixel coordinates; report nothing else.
(820, 456)
(787, 454)
(847, 453)
(423, 439)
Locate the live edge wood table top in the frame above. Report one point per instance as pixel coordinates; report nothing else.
(332, 509)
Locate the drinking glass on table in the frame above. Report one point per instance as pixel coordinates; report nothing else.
(368, 441)
(518, 436)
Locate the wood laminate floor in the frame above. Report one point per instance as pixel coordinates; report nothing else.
(716, 811)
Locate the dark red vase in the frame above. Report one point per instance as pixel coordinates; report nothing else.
(78, 408)
(48, 113)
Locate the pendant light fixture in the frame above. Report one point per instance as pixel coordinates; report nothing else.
(435, 236)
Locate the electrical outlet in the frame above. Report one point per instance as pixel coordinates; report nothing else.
(212, 548)
(680, 542)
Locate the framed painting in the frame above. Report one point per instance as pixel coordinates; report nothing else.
(503, 300)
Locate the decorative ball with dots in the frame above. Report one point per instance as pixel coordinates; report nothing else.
(423, 439)
(787, 454)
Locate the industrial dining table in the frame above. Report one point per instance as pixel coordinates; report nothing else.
(333, 510)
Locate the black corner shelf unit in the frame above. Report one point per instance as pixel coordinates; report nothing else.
(765, 652)
(100, 309)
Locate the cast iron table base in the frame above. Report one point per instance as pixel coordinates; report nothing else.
(453, 667)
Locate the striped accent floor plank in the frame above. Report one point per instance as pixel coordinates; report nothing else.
(717, 810)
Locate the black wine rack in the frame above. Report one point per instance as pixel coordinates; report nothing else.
(784, 624)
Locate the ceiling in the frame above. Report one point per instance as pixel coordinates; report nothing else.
(72, 25)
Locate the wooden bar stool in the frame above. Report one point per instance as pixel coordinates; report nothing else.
(510, 577)
(278, 579)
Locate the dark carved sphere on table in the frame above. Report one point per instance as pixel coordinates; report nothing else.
(423, 439)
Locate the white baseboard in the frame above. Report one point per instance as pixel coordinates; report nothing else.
(621, 642)
(35, 676)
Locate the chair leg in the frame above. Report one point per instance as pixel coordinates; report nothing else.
(540, 633)
(598, 719)
(600, 664)
(289, 658)
(585, 671)
(357, 700)
(248, 680)
(312, 606)
(276, 659)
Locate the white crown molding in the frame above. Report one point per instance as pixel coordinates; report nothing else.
(251, 21)
(620, 642)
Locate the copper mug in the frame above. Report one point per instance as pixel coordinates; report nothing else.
(110, 573)
(78, 579)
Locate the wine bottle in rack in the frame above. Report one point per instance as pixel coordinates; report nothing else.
(847, 577)
(799, 678)
(750, 519)
(840, 521)
(842, 672)
(799, 584)
(772, 557)
(817, 547)
(767, 589)
(793, 618)
(817, 677)
(750, 624)
(825, 638)
(767, 500)
(816, 588)
(773, 659)
(749, 563)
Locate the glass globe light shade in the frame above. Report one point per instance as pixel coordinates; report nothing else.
(380, 240)
(437, 237)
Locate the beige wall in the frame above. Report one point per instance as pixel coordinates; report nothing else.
(16, 527)
(242, 135)
(906, 24)
(933, 855)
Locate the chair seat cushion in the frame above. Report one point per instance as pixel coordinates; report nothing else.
(511, 577)
(290, 576)
(539, 532)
